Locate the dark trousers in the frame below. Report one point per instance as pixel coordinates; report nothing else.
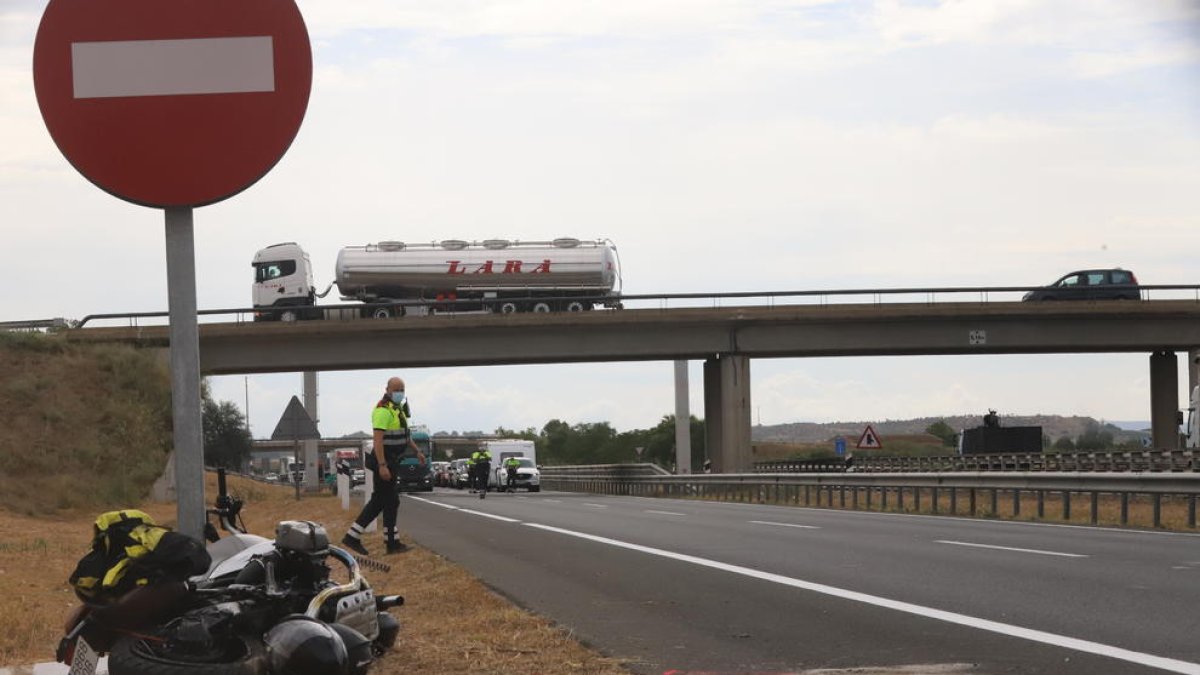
(385, 499)
(512, 479)
(481, 476)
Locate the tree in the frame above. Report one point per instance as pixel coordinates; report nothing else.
(1094, 437)
(943, 431)
(227, 441)
(1064, 444)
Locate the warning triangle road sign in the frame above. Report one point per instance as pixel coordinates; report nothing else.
(869, 440)
(295, 424)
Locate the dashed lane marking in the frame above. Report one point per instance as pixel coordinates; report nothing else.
(767, 522)
(1011, 548)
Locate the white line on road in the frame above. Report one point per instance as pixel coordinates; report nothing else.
(490, 515)
(599, 506)
(430, 501)
(553, 501)
(665, 513)
(1010, 548)
(767, 522)
(1173, 665)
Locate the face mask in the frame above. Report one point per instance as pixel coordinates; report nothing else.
(398, 397)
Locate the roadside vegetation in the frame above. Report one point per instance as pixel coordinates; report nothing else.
(83, 427)
(87, 429)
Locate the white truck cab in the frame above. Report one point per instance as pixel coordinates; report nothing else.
(283, 280)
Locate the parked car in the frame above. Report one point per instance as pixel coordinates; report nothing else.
(1108, 284)
(272, 476)
(441, 474)
(459, 475)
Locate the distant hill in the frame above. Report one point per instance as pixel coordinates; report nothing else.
(1054, 426)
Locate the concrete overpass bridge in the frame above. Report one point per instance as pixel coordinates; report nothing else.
(726, 339)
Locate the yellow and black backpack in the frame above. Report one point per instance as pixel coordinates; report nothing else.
(129, 550)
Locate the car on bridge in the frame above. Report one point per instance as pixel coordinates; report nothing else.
(1105, 284)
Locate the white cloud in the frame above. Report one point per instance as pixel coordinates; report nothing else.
(1100, 37)
(721, 145)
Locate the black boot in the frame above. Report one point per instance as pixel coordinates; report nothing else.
(355, 544)
(396, 546)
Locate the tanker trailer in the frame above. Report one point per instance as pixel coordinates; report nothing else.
(449, 276)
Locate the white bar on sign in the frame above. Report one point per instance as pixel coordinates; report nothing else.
(173, 67)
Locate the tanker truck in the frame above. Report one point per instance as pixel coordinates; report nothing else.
(448, 276)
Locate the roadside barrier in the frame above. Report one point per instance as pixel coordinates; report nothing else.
(951, 493)
(1139, 460)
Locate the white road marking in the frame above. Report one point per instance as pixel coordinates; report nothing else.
(767, 522)
(1011, 548)
(599, 506)
(553, 501)
(490, 515)
(430, 501)
(665, 513)
(1141, 658)
(225, 65)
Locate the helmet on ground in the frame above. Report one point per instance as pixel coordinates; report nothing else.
(301, 645)
(358, 648)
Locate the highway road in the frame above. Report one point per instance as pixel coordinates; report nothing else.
(713, 587)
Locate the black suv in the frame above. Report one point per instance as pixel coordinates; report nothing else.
(1112, 284)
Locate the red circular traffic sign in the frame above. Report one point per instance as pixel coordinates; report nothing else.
(172, 104)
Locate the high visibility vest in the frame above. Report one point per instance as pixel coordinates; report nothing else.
(393, 422)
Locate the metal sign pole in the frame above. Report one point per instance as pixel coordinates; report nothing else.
(185, 372)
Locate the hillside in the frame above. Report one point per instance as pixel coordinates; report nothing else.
(83, 427)
(1054, 426)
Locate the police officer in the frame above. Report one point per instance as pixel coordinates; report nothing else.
(389, 419)
(481, 461)
(510, 465)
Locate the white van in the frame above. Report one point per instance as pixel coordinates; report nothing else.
(528, 476)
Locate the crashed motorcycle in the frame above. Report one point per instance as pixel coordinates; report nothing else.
(264, 607)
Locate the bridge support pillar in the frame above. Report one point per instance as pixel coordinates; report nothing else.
(309, 448)
(683, 420)
(727, 413)
(1164, 400)
(1193, 370)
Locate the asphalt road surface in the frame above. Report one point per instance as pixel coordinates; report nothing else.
(706, 586)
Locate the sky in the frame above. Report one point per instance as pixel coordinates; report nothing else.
(722, 145)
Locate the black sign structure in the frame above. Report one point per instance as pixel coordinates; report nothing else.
(295, 424)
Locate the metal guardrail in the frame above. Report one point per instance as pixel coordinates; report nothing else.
(872, 295)
(1116, 461)
(58, 323)
(613, 470)
(814, 488)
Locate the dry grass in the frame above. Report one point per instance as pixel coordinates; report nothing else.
(440, 633)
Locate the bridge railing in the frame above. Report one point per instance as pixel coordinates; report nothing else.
(951, 493)
(876, 296)
(35, 325)
(1117, 460)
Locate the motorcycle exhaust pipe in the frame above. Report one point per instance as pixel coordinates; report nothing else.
(385, 602)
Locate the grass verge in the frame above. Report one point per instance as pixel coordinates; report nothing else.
(440, 633)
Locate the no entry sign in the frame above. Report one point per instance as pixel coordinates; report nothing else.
(175, 103)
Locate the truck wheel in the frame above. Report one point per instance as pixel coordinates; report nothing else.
(508, 308)
(575, 306)
(381, 313)
(541, 307)
(288, 316)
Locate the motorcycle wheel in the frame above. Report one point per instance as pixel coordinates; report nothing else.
(138, 656)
